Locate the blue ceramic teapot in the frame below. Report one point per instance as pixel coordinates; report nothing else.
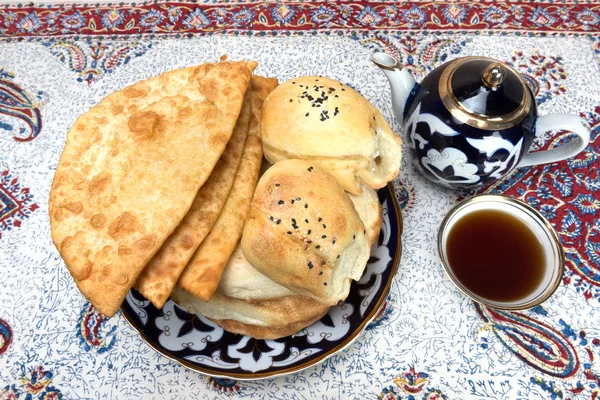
(472, 120)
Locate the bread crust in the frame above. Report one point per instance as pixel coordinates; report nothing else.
(333, 126)
(161, 137)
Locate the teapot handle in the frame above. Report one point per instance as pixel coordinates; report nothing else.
(567, 122)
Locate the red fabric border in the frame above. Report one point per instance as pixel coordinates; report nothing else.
(185, 18)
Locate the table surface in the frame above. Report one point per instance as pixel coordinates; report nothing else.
(430, 341)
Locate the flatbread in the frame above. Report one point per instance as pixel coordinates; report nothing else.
(203, 273)
(131, 168)
(160, 275)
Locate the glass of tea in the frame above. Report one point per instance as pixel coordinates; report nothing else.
(501, 252)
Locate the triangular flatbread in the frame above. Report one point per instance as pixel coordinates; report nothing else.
(131, 168)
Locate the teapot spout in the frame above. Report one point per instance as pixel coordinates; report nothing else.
(401, 81)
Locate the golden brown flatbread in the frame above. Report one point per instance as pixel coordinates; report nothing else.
(130, 170)
(203, 273)
(160, 275)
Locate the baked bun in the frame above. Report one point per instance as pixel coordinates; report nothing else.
(249, 303)
(332, 126)
(304, 233)
(369, 210)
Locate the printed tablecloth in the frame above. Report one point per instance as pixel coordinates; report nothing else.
(429, 341)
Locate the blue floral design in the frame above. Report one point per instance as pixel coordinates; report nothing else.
(196, 19)
(563, 13)
(540, 17)
(368, 16)
(548, 211)
(219, 15)
(571, 225)
(243, 16)
(112, 19)
(495, 15)
(346, 12)
(517, 12)
(152, 18)
(586, 204)
(544, 192)
(173, 13)
(10, 392)
(414, 16)
(564, 183)
(322, 15)
(283, 14)
(10, 19)
(454, 13)
(587, 17)
(74, 21)
(593, 251)
(29, 23)
(390, 12)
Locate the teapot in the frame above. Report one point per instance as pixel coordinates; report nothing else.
(472, 120)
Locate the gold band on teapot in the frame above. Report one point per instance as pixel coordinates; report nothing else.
(495, 78)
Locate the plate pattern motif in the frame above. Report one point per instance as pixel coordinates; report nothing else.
(202, 345)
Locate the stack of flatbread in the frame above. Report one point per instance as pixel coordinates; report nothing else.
(154, 183)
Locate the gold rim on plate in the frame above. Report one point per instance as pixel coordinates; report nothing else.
(341, 346)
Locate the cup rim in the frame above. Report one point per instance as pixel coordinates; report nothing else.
(487, 197)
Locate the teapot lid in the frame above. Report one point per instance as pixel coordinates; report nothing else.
(484, 93)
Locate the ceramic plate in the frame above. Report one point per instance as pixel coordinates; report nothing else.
(203, 346)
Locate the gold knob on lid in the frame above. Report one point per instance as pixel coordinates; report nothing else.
(493, 75)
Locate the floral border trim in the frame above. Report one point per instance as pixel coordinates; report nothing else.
(185, 18)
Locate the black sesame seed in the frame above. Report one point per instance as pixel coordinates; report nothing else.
(277, 184)
(324, 237)
(281, 202)
(337, 257)
(343, 90)
(325, 283)
(324, 226)
(294, 220)
(320, 219)
(321, 273)
(293, 83)
(310, 265)
(310, 169)
(289, 232)
(305, 205)
(353, 237)
(271, 217)
(309, 241)
(323, 263)
(317, 247)
(309, 231)
(336, 112)
(333, 240)
(291, 100)
(278, 221)
(293, 201)
(306, 115)
(306, 220)
(364, 232)
(316, 80)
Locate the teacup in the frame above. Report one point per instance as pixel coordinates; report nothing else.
(550, 259)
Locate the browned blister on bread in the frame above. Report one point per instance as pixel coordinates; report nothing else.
(130, 169)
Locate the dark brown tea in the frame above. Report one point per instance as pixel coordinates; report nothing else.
(495, 255)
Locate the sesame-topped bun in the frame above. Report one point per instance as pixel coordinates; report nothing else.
(332, 126)
(304, 232)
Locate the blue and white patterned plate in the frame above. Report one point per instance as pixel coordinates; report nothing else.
(201, 345)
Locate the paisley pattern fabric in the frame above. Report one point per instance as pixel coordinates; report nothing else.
(429, 341)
